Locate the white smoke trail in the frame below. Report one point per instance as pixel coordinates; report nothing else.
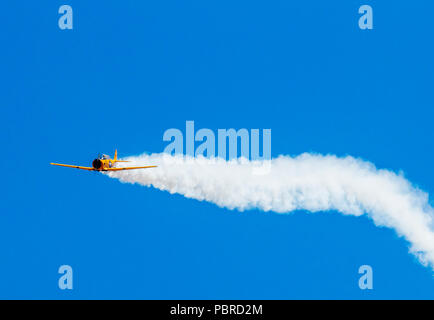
(307, 182)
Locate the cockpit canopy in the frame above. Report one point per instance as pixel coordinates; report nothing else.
(103, 156)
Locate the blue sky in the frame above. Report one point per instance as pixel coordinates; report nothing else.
(130, 70)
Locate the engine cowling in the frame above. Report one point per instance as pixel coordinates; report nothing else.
(97, 164)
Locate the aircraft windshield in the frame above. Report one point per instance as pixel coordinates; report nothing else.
(103, 156)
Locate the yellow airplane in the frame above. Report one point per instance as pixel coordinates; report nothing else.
(103, 163)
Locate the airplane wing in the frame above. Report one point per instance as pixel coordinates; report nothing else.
(71, 166)
(128, 168)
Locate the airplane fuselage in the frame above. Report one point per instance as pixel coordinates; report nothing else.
(102, 164)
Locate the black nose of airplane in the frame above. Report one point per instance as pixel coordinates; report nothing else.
(97, 164)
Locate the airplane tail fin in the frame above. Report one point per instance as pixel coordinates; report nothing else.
(115, 158)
